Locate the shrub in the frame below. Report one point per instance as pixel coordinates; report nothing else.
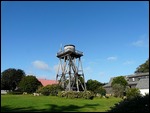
(101, 91)
(15, 93)
(49, 90)
(75, 94)
(44, 91)
(137, 104)
(88, 95)
(132, 93)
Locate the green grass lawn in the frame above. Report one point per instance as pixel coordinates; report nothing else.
(26, 103)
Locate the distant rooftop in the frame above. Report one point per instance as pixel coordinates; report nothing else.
(143, 84)
(139, 85)
(47, 82)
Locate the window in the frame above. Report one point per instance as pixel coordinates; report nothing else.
(133, 79)
(139, 78)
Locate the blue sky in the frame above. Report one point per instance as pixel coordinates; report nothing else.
(114, 36)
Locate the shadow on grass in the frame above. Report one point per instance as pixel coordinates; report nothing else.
(51, 108)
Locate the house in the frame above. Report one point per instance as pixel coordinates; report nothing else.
(46, 82)
(143, 85)
(137, 80)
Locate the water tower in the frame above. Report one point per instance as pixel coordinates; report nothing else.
(70, 72)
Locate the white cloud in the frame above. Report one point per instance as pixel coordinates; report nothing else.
(87, 69)
(128, 62)
(143, 41)
(112, 58)
(41, 65)
(138, 43)
(101, 73)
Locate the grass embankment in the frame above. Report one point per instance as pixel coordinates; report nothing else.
(20, 103)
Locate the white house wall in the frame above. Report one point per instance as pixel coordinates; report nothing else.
(143, 91)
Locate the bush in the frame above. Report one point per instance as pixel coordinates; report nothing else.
(101, 91)
(132, 93)
(44, 91)
(50, 90)
(15, 92)
(137, 104)
(88, 95)
(75, 94)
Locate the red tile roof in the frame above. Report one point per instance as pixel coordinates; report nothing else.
(47, 82)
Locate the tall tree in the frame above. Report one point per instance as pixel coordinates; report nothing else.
(119, 80)
(29, 84)
(119, 85)
(93, 85)
(143, 67)
(10, 78)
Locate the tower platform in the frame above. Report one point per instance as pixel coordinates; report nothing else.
(64, 53)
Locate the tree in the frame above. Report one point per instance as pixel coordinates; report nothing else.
(119, 80)
(143, 67)
(93, 85)
(119, 85)
(11, 78)
(29, 84)
(118, 90)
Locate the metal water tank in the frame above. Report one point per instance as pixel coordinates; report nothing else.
(69, 48)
